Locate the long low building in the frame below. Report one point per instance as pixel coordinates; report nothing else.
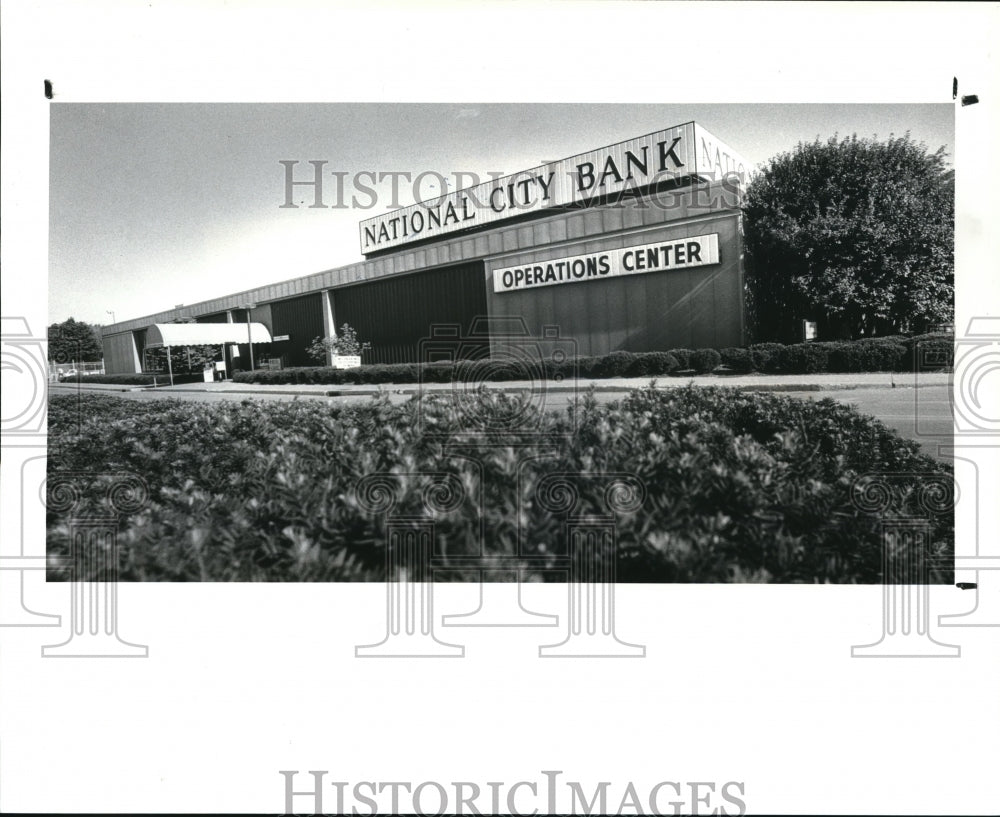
(635, 246)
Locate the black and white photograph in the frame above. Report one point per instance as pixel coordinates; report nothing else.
(656, 392)
(660, 351)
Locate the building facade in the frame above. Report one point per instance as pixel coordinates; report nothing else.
(635, 246)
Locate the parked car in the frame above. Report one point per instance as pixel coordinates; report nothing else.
(69, 374)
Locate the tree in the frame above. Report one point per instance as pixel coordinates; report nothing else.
(74, 342)
(346, 343)
(856, 234)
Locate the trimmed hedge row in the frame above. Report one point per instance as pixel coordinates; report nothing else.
(737, 486)
(138, 379)
(891, 354)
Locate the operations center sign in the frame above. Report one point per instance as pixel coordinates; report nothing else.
(660, 257)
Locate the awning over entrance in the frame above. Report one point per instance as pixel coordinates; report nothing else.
(204, 334)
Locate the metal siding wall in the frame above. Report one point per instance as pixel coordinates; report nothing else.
(118, 354)
(217, 318)
(668, 207)
(635, 315)
(395, 314)
(262, 314)
(299, 318)
(728, 296)
(140, 343)
(705, 316)
(698, 307)
(654, 314)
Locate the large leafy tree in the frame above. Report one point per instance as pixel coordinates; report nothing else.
(856, 234)
(74, 341)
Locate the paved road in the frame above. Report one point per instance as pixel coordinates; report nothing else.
(922, 414)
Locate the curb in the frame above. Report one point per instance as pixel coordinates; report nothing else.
(99, 387)
(411, 390)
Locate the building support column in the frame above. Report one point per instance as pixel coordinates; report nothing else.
(329, 322)
(229, 366)
(136, 363)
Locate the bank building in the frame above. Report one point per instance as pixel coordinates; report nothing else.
(635, 246)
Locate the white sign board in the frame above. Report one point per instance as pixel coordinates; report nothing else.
(660, 257)
(346, 361)
(610, 172)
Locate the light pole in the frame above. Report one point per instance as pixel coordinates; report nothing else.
(248, 307)
(112, 314)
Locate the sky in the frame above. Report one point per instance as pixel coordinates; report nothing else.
(153, 205)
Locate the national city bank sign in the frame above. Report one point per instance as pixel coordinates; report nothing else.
(660, 257)
(684, 151)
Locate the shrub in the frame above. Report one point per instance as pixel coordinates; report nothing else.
(662, 363)
(683, 357)
(928, 352)
(505, 370)
(436, 372)
(740, 486)
(800, 358)
(737, 360)
(407, 373)
(616, 364)
(299, 374)
(587, 366)
(761, 354)
(476, 371)
(931, 352)
(704, 361)
(376, 373)
(560, 370)
(652, 364)
(137, 379)
(873, 355)
(344, 343)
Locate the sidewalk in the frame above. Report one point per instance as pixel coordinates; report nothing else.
(756, 382)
